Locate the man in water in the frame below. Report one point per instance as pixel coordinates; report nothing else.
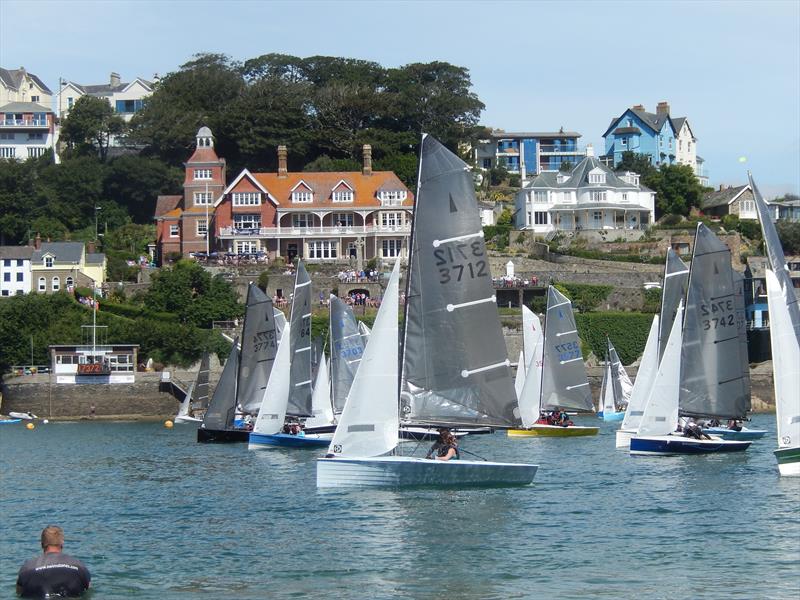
(53, 573)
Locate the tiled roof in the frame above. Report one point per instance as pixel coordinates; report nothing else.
(106, 89)
(678, 122)
(13, 78)
(579, 178)
(164, 204)
(507, 135)
(365, 186)
(64, 252)
(203, 155)
(96, 258)
(24, 252)
(722, 197)
(25, 107)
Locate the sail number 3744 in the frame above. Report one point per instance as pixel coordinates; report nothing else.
(458, 261)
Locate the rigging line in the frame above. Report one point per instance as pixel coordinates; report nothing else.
(347, 337)
(736, 337)
(466, 372)
(472, 454)
(452, 307)
(306, 349)
(437, 243)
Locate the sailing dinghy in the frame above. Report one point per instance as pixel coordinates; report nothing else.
(561, 382)
(195, 402)
(784, 317)
(455, 369)
(615, 393)
(217, 425)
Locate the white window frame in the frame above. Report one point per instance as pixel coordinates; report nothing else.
(247, 221)
(391, 220)
(345, 195)
(597, 177)
(391, 247)
(202, 227)
(302, 220)
(623, 141)
(303, 196)
(48, 262)
(392, 197)
(246, 198)
(540, 197)
(624, 197)
(252, 246)
(343, 220)
(323, 249)
(8, 152)
(55, 283)
(203, 198)
(69, 282)
(174, 230)
(598, 196)
(36, 151)
(541, 217)
(42, 284)
(202, 174)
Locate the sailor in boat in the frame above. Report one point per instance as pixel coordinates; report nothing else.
(734, 425)
(445, 447)
(294, 429)
(694, 430)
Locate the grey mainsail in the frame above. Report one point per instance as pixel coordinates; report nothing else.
(300, 349)
(347, 348)
(741, 328)
(221, 410)
(712, 382)
(564, 381)
(199, 401)
(676, 279)
(259, 346)
(455, 367)
(777, 260)
(620, 399)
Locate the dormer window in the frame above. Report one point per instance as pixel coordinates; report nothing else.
(302, 196)
(597, 177)
(344, 195)
(562, 177)
(202, 173)
(246, 198)
(631, 178)
(48, 262)
(392, 197)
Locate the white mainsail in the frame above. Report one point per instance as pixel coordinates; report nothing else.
(321, 405)
(370, 420)
(532, 335)
(608, 404)
(272, 413)
(530, 398)
(785, 363)
(519, 377)
(661, 413)
(644, 380)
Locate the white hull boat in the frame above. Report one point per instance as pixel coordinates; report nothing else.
(624, 438)
(406, 471)
(187, 419)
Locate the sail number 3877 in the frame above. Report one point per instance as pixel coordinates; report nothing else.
(458, 261)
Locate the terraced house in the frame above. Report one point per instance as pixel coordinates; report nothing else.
(317, 216)
(27, 124)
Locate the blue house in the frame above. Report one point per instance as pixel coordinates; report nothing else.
(528, 153)
(641, 132)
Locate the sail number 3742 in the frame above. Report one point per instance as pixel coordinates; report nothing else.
(720, 313)
(458, 261)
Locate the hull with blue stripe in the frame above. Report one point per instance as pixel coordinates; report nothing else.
(730, 434)
(285, 440)
(615, 416)
(667, 445)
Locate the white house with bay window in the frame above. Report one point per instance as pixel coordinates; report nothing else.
(588, 197)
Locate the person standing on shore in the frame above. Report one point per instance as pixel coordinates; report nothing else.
(53, 573)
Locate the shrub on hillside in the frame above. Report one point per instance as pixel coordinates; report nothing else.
(627, 331)
(585, 296)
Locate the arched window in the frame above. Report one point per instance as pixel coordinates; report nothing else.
(42, 284)
(70, 282)
(56, 284)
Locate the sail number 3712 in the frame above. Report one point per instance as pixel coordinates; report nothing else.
(457, 261)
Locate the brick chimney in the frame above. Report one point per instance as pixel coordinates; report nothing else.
(114, 79)
(638, 107)
(282, 170)
(37, 242)
(90, 248)
(367, 170)
(662, 109)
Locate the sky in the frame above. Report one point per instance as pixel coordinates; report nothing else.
(732, 68)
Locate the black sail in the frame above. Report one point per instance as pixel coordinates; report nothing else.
(455, 367)
(259, 346)
(200, 392)
(220, 413)
(300, 379)
(712, 382)
(347, 348)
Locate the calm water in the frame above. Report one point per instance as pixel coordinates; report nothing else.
(155, 515)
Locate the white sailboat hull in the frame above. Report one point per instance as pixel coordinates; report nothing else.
(187, 419)
(624, 438)
(407, 471)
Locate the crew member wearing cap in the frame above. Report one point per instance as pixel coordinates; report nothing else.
(53, 573)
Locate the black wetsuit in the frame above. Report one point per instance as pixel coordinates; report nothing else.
(53, 575)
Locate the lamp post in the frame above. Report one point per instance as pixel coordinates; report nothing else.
(96, 208)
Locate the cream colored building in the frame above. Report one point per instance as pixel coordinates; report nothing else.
(57, 266)
(17, 85)
(125, 98)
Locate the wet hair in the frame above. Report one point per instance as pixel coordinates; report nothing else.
(52, 535)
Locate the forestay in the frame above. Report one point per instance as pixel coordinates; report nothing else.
(259, 345)
(272, 413)
(564, 381)
(455, 364)
(300, 336)
(676, 279)
(220, 413)
(644, 379)
(347, 347)
(712, 382)
(369, 423)
(786, 364)
(661, 409)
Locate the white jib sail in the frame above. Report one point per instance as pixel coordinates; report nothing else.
(529, 400)
(272, 413)
(519, 378)
(608, 404)
(625, 383)
(370, 420)
(183, 409)
(661, 413)
(644, 380)
(785, 364)
(532, 334)
(321, 407)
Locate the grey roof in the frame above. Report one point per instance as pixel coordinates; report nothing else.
(722, 197)
(24, 252)
(678, 122)
(508, 135)
(25, 107)
(13, 79)
(654, 121)
(621, 130)
(96, 258)
(64, 252)
(106, 89)
(579, 178)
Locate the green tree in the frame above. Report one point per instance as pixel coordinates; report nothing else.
(789, 234)
(638, 163)
(135, 182)
(325, 163)
(677, 189)
(90, 125)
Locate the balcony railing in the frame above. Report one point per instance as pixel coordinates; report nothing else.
(24, 123)
(549, 149)
(285, 232)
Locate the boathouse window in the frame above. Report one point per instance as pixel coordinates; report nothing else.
(390, 220)
(202, 227)
(343, 196)
(321, 249)
(598, 196)
(597, 177)
(302, 196)
(42, 284)
(624, 142)
(247, 221)
(56, 284)
(540, 197)
(19, 276)
(6, 276)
